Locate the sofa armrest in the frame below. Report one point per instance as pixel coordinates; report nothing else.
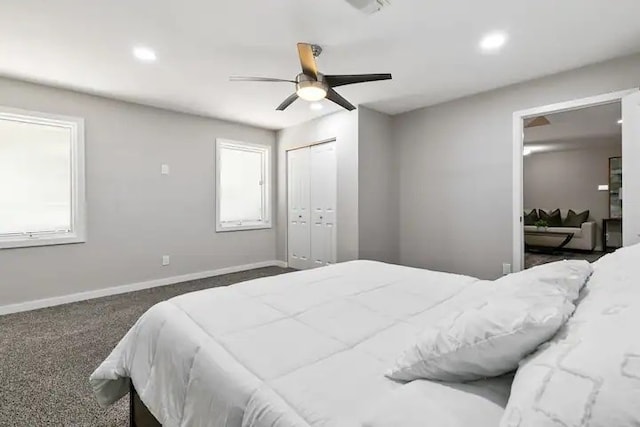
(589, 231)
(589, 227)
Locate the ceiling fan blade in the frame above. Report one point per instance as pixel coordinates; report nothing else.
(537, 121)
(307, 60)
(334, 96)
(349, 79)
(257, 79)
(287, 102)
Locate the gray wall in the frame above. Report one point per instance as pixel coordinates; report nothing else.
(569, 180)
(453, 176)
(455, 168)
(343, 126)
(377, 187)
(135, 215)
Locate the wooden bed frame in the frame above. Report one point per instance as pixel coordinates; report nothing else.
(139, 415)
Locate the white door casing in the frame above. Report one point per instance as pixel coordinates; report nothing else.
(630, 156)
(630, 169)
(298, 200)
(323, 204)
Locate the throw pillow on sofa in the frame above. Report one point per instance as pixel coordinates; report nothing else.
(531, 218)
(553, 218)
(512, 318)
(575, 220)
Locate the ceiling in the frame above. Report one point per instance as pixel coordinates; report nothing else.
(430, 47)
(594, 127)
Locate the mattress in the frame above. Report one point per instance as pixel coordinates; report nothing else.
(308, 348)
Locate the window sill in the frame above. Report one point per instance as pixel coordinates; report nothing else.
(21, 242)
(223, 229)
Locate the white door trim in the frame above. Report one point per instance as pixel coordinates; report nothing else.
(518, 146)
(630, 172)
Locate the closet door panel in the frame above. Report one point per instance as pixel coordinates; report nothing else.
(323, 185)
(299, 218)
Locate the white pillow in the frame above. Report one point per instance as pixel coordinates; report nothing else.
(589, 373)
(487, 340)
(516, 314)
(569, 275)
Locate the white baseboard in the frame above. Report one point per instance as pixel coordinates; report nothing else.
(83, 296)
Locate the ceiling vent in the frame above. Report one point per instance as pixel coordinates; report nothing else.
(369, 6)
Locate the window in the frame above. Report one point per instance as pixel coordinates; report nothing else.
(41, 179)
(242, 186)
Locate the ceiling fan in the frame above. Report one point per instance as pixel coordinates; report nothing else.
(311, 85)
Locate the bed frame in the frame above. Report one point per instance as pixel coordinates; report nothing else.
(139, 415)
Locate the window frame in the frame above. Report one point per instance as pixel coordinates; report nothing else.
(265, 151)
(78, 231)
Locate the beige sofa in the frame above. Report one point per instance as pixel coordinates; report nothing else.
(584, 238)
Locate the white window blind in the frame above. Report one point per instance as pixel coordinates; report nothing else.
(39, 173)
(242, 186)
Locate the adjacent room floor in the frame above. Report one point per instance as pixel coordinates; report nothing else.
(46, 356)
(531, 259)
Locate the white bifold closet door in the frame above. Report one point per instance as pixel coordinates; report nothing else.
(299, 229)
(312, 183)
(323, 204)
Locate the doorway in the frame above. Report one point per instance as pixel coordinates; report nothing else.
(311, 206)
(524, 122)
(572, 176)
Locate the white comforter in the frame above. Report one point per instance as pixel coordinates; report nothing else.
(303, 349)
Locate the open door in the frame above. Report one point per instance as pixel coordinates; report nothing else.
(630, 169)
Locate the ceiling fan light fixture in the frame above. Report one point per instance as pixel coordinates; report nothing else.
(311, 91)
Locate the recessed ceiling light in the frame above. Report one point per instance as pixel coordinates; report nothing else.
(492, 42)
(620, 121)
(316, 106)
(144, 54)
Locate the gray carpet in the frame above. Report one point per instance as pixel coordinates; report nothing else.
(46, 356)
(531, 259)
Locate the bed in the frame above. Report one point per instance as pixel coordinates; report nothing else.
(308, 348)
(315, 348)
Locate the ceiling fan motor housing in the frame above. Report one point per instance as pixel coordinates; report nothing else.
(317, 89)
(316, 49)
